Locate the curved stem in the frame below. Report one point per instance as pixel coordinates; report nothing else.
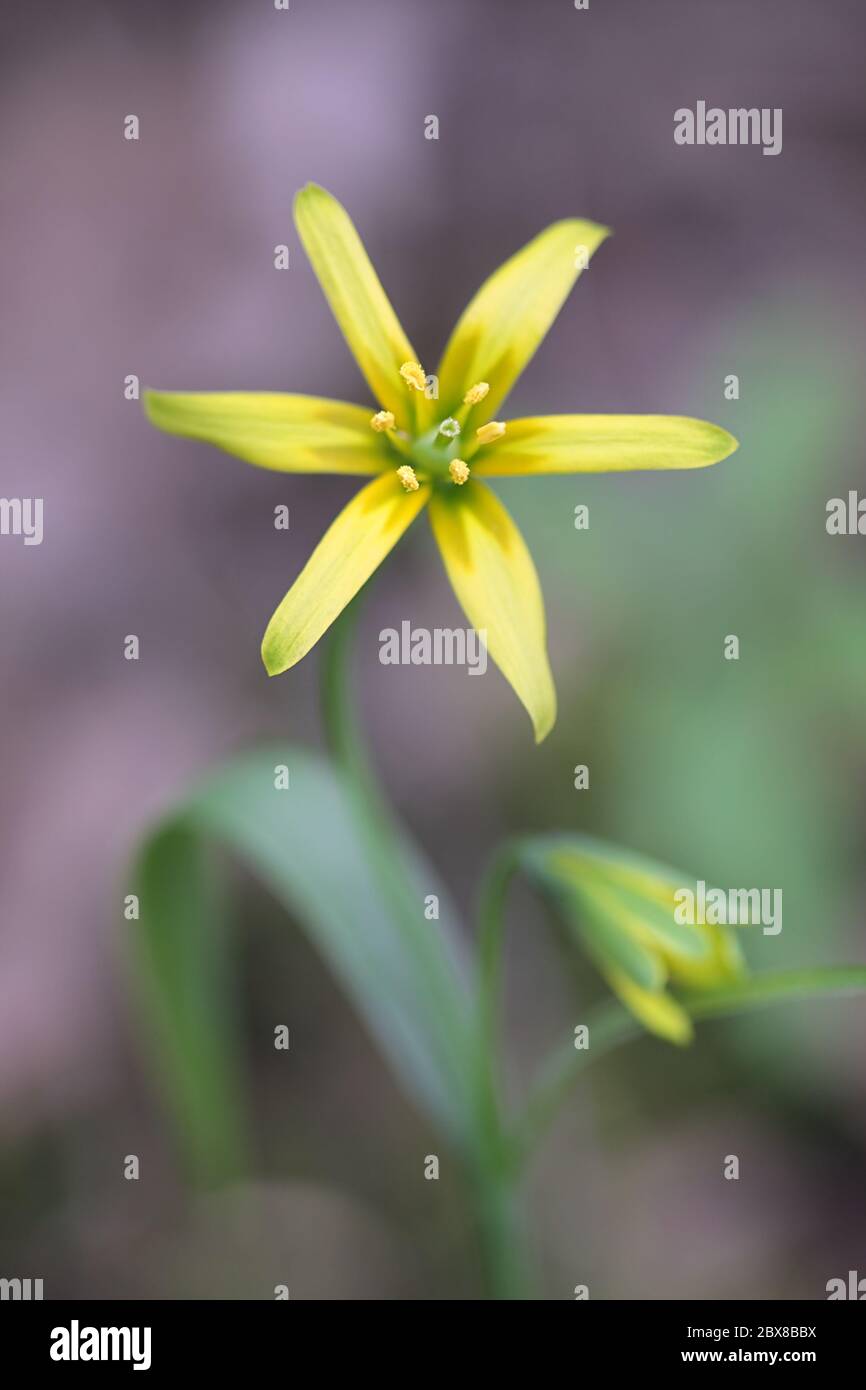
(609, 1026)
(612, 1025)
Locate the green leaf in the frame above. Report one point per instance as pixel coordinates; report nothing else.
(402, 972)
(181, 975)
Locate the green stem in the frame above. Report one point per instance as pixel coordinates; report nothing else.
(347, 744)
(341, 723)
(491, 934)
(490, 1172)
(499, 1204)
(609, 1026)
(612, 1025)
(501, 1235)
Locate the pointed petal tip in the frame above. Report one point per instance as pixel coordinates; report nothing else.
(579, 222)
(542, 724)
(598, 227)
(271, 658)
(152, 405)
(310, 189)
(304, 196)
(684, 1038)
(720, 441)
(545, 710)
(311, 193)
(585, 227)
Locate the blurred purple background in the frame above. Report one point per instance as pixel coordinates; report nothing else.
(156, 258)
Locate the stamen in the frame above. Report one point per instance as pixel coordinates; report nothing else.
(413, 375)
(408, 478)
(450, 428)
(383, 420)
(459, 471)
(476, 393)
(495, 429)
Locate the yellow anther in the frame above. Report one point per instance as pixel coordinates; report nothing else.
(382, 421)
(408, 478)
(413, 375)
(495, 429)
(459, 471)
(476, 393)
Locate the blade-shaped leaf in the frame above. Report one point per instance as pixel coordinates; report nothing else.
(403, 975)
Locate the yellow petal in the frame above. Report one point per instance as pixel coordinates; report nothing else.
(495, 580)
(348, 553)
(602, 444)
(293, 434)
(360, 305)
(503, 325)
(656, 1010)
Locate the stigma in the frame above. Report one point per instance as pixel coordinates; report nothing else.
(459, 471)
(413, 375)
(495, 429)
(408, 477)
(383, 420)
(476, 393)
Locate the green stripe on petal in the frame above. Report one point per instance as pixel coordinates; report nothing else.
(353, 547)
(359, 303)
(611, 943)
(647, 917)
(603, 444)
(291, 434)
(504, 324)
(495, 581)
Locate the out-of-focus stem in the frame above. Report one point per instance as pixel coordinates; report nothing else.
(491, 1173)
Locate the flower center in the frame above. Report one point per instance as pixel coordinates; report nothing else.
(434, 455)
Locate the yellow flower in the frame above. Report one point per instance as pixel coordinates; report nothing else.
(409, 445)
(621, 907)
